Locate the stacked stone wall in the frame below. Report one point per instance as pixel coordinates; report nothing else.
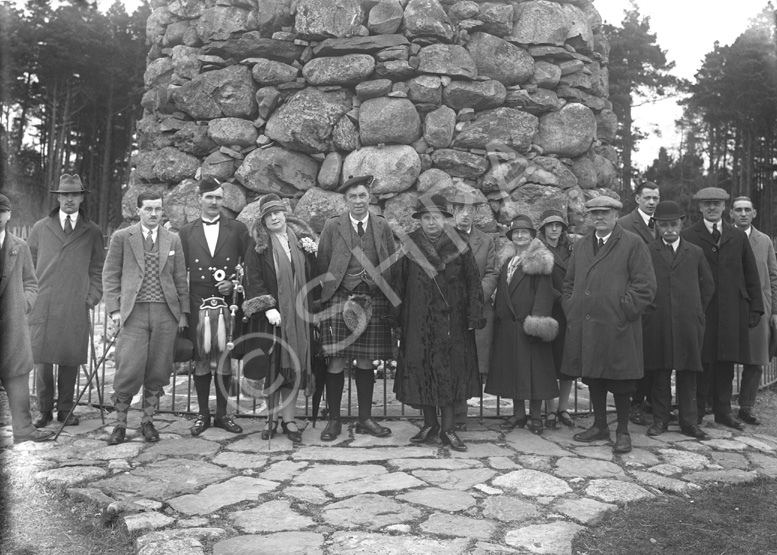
(504, 98)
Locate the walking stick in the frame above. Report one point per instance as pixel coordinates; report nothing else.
(270, 397)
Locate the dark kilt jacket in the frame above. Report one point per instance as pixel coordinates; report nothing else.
(230, 250)
(737, 292)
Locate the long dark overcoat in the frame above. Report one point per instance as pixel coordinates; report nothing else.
(484, 249)
(633, 222)
(69, 271)
(673, 324)
(522, 364)
(604, 297)
(261, 293)
(561, 254)
(18, 290)
(737, 292)
(763, 250)
(442, 305)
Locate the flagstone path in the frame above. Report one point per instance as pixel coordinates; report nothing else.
(225, 494)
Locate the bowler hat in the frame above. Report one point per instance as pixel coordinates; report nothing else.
(69, 184)
(711, 193)
(668, 210)
(552, 215)
(5, 203)
(521, 221)
(603, 202)
(268, 204)
(433, 203)
(352, 181)
(207, 185)
(466, 198)
(184, 349)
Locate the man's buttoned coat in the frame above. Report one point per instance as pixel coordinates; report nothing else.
(603, 297)
(763, 250)
(484, 249)
(18, 290)
(737, 292)
(335, 249)
(673, 324)
(125, 266)
(69, 272)
(636, 224)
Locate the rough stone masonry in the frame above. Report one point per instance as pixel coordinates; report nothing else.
(507, 98)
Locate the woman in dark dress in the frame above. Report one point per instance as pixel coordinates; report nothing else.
(522, 362)
(442, 306)
(553, 232)
(279, 266)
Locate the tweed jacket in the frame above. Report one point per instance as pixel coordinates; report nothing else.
(763, 250)
(125, 265)
(18, 291)
(335, 247)
(633, 222)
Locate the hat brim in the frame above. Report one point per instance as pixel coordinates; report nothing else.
(64, 192)
(669, 217)
(551, 219)
(417, 215)
(509, 233)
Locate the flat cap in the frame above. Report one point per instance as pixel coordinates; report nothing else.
(603, 202)
(711, 193)
(354, 181)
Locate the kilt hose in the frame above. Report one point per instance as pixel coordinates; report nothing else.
(338, 341)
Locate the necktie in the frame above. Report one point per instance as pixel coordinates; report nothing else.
(150, 241)
(672, 251)
(598, 245)
(715, 233)
(68, 225)
(360, 229)
(211, 223)
(652, 223)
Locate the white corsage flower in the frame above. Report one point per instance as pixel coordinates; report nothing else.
(308, 245)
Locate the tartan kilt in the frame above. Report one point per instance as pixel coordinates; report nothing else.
(337, 340)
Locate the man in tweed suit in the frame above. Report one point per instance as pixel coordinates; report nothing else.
(147, 297)
(355, 258)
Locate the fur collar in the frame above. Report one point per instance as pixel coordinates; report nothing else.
(433, 256)
(300, 228)
(537, 259)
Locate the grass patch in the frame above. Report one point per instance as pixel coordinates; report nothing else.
(735, 520)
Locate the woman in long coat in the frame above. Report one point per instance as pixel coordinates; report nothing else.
(279, 267)
(442, 305)
(522, 364)
(553, 233)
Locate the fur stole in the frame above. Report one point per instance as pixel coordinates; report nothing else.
(537, 259)
(433, 257)
(299, 226)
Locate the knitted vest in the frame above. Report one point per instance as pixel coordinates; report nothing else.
(151, 287)
(355, 273)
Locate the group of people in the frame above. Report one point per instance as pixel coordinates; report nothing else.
(621, 308)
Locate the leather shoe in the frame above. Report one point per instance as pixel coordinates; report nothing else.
(226, 423)
(450, 439)
(728, 420)
(35, 435)
(200, 425)
(514, 421)
(268, 432)
(622, 443)
(294, 435)
(118, 435)
(747, 416)
(695, 432)
(637, 416)
(149, 432)
(657, 428)
(427, 434)
(332, 430)
(371, 427)
(43, 419)
(592, 434)
(72, 420)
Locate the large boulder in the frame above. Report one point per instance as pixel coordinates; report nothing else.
(425, 89)
(502, 127)
(253, 45)
(504, 176)
(532, 200)
(478, 95)
(228, 92)
(277, 170)
(317, 205)
(585, 171)
(398, 211)
(219, 166)
(540, 22)
(359, 45)
(569, 132)
(579, 35)
(387, 120)
(322, 19)
(447, 59)
(427, 19)
(166, 164)
(194, 139)
(385, 17)
(185, 61)
(306, 120)
(433, 181)
(273, 16)
(538, 102)
(546, 75)
(497, 18)
(459, 163)
(498, 59)
(329, 173)
(234, 197)
(158, 73)
(345, 135)
(552, 171)
(350, 69)
(269, 72)
(439, 126)
(606, 174)
(395, 167)
(232, 132)
(220, 22)
(182, 203)
(606, 126)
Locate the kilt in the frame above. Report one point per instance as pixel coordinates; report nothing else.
(338, 341)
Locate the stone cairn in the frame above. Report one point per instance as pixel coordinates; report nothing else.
(506, 98)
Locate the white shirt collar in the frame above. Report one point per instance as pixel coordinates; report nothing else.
(145, 231)
(708, 224)
(645, 217)
(605, 238)
(2, 238)
(748, 230)
(355, 222)
(63, 216)
(673, 245)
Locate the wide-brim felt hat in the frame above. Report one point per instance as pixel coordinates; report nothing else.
(603, 202)
(433, 203)
(270, 203)
(69, 184)
(668, 210)
(711, 193)
(354, 181)
(521, 221)
(552, 215)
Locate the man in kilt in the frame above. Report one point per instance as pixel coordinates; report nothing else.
(356, 252)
